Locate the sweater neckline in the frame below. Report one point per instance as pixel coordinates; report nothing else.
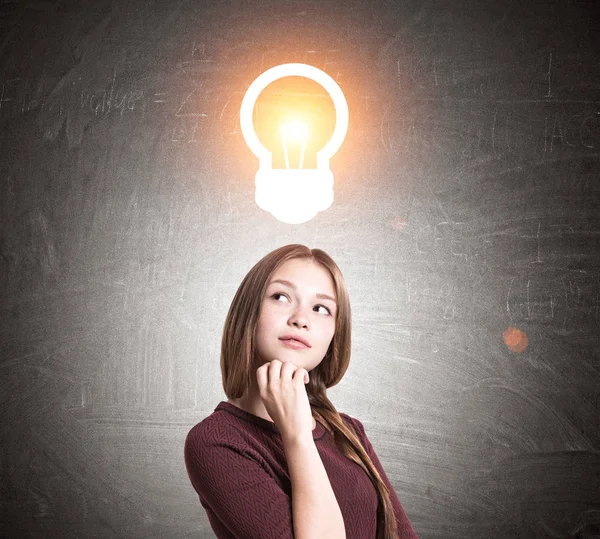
(317, 432)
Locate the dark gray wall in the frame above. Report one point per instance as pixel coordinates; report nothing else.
(466, 210)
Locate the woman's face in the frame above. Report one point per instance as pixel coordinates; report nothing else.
(297, 308)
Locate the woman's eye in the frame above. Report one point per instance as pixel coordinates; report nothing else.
(278, 294)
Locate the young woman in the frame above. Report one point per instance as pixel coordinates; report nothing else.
(277, 460)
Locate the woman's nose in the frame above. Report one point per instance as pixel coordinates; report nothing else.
(299, 318)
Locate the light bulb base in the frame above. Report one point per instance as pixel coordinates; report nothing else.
(294, 196)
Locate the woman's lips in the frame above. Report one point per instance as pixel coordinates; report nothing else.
(293, 343)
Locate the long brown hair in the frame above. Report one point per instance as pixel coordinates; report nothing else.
(238, 361)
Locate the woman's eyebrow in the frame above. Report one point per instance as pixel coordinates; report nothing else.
(292, 285)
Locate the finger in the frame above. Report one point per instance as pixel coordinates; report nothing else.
(300, 376)
(274, 371)
(287, 371)
(262, 377)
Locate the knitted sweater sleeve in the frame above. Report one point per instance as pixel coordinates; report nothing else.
(242, 500)
(405, 529)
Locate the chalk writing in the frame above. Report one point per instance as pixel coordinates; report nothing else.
(6, 90)
(329, 60)
(440, 75)
(531, 131)
(410, 340)
(434, 291)
(549, 76)
(186, 131)
(445, 240)
(189, 105)
(16, 99)
(567, 301)
(529, 128)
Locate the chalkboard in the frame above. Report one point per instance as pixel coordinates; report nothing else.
(465, 221)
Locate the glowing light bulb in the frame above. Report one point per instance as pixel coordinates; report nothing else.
(294, 195)
(294, 132)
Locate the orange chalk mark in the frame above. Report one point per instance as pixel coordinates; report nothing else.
(515, 339)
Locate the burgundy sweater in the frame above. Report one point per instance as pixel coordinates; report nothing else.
(237, 465)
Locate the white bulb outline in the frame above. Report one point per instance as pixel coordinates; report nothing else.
(265, 157)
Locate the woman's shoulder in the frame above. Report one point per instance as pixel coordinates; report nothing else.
(353, 422)
(349, 418)
(216, 428)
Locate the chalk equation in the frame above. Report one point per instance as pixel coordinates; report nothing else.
(522, 130)
(193, 102)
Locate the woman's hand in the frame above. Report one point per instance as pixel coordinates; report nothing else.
(281, 388)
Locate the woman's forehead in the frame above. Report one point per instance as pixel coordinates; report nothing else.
(305, 274)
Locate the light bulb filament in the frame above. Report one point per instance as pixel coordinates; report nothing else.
(294, 132)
